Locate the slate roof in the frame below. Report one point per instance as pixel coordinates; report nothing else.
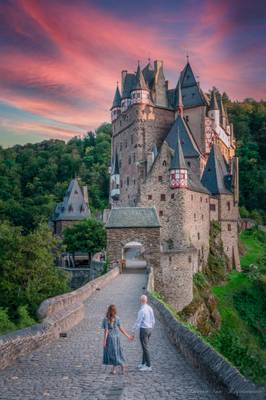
(179, 101)
(133, 217)
(129, 84)
(216, 174)
(148, 74)
(73, 206)
(178, 160)
(188, 143)
(191, 92)
(117, 98)
(140, 81)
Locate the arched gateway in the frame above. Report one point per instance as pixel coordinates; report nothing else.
(135, 230)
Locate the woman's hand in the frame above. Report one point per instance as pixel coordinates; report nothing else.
(104, 343)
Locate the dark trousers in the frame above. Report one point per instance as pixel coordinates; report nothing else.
(144, 335)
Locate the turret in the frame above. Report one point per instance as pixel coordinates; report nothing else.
(115, 179)
(179, 100)
(214, 112)
(178, 167)
(116, 106)
(140, 92)
(222, 112)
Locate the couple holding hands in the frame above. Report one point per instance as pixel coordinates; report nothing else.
(112, 350)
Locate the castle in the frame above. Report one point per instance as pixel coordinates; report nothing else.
(173, 151)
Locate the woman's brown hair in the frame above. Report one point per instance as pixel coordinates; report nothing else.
(111, 313)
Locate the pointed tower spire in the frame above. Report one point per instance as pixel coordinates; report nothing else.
(140, 81)
(117, 98)
(222, 111)
(140, 93)
(179, 100)
(214, 112)
(178, 167)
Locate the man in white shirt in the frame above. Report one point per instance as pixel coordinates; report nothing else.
(145, 323)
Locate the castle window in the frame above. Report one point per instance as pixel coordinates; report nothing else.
(127, 180)
(201, 199)
(189, 163)
(149, 197)
(187, 118)
(212, 207)
(202, 217)
(206, 199)
(198, 236)
(229, 227)
(228, 205)
(134, 157)
(189, 259)
(170, 259)
(162, 197)
(160, 178)
(70, 208)
(129, 159)
(195, 217)
(192, 197)
(160, 213)
(76, 192)
(188, 76)
(134, 181)
(164, 163)
(121, 146)
(120, 163)
(138, 95)
(172, 196)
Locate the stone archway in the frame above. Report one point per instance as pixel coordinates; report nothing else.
(134, 255)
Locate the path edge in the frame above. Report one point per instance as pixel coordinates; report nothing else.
(211, 365)
(57, 315)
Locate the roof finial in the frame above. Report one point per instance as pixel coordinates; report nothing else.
(187, 55)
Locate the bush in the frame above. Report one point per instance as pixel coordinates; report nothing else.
(5, 324)
(24, 317)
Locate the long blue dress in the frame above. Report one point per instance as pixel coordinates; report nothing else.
(112, 352)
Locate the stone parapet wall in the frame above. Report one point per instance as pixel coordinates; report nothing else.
(58, 314)
(211, 365)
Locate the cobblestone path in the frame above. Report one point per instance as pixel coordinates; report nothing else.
(71, 368)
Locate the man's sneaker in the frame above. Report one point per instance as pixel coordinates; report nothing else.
(141, 366)
(145, 369)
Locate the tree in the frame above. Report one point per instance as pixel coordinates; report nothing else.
(27, 271)
(88, 236)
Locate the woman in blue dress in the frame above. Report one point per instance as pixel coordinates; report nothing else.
(112, 350)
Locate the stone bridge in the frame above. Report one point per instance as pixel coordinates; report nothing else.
(71, 367)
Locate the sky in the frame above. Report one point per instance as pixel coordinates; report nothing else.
(60, 59)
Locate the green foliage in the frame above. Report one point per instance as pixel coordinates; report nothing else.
(217, 260)
(242, 304)
(27, 271)
(5, 324)
(24, 318)
(88, 236)
(34, 177)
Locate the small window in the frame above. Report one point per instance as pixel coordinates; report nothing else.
(229, 227)
(192, 197)
(127, 180)
(129, 160)
(160, 178)
(162, 197)
(195, 217)
(201, 199)
(138, 95)
(121, 183)
(198, 236)
(206, 199)
(202, 217)
(187, 118)
(164, 163)
(149, 197)
(160, 213)
(189, 163)
(189, 259)
(134, 157)
(228, 205)
(212, 207)
(170, 259)
(70, 208)
(172, 196)
(76, 192)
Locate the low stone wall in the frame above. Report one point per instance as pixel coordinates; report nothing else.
(211, 365)
(58, 314)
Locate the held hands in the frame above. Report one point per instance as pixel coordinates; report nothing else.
(131, 338)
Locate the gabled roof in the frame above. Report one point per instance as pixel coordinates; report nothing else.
(140, 81)
(117, 98)
(178, 160)
(148, 74)
(73, 207)
(188, 143)
(213, 101)
(216, 172)
(133, 217)
(191, 92)
(129, 84)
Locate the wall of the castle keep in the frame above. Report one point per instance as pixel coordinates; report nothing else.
(134, 134)
(228, 217)
(177, 277)
(117, 238)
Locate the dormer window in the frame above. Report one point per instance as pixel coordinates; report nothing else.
(70, 208)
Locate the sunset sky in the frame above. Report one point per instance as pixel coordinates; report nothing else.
(60, 59)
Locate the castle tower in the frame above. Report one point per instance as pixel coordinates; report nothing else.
(115, 180)
(214, 112)
(116, 106)
(140, 93)
(178, 168)
(222, 112)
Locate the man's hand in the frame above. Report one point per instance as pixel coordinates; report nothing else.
(131, 338)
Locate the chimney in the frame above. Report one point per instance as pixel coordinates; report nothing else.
(123, 77)
(85, 194)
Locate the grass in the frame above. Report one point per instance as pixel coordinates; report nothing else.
(241, 303)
